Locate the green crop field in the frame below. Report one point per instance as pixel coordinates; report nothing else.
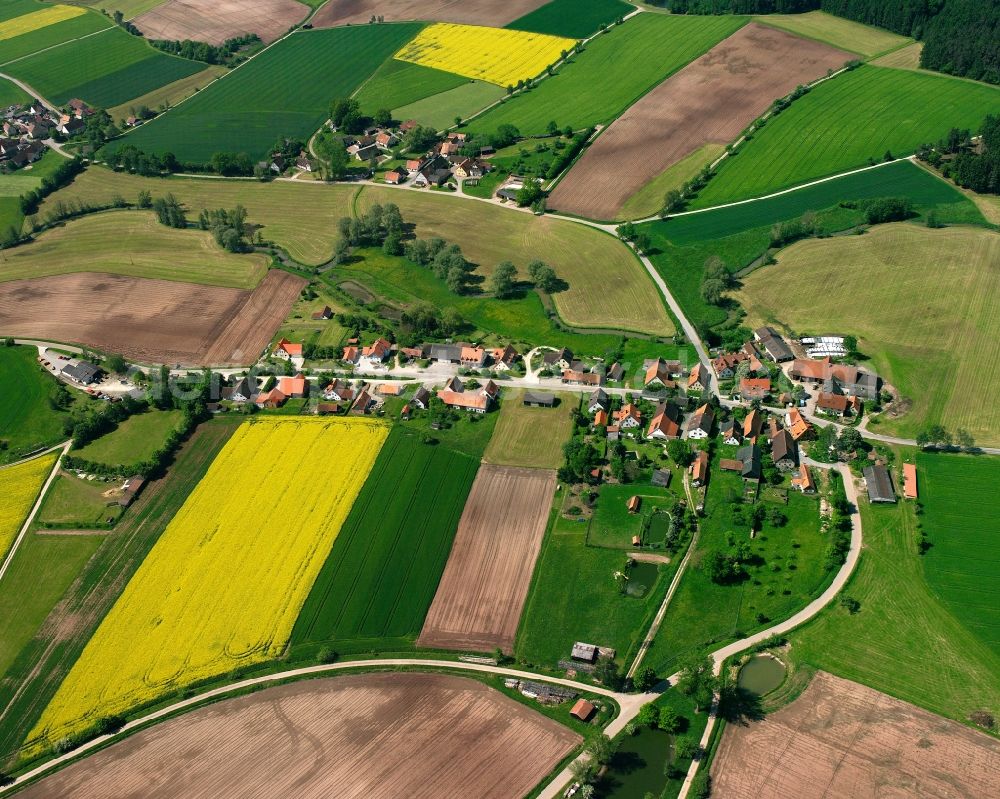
(574, 597)
(399, 83)
(649, 199)
(109, 68)
(842, 33)
(286, 90)
(884, 287)
(439, 110)
(49, 36)
(574, 19)
(960, 520)
(133, 243)
(39, 575)
(614, 71)
(133, 441)
(788, 574)
(27, 421)
(531, 436)
(742, 233)
(844, 122)
(11, 94)
(381, 575)
(903, 640)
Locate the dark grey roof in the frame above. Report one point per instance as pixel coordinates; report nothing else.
(783, 446)
(539, 398)
(661, 477)
(616, 372)
(599, 396)
(445, 352)
(878, 481)
(702, 421)
(81, 372)
(554, 356)
(422, 395)
(750, 458)
(777, 348)
(243, 388)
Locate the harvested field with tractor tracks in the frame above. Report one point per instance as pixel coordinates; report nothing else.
(151, 321)
(393, 734)
(217, 21)
(478, 603)
(471, 12)
(709, 101)
(842, 740)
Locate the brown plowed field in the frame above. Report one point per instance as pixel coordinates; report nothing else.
(478, 603)
(151, 321)
(370, 735)
(214, 21)
(709, 101)
(469, 12)
(841, 740)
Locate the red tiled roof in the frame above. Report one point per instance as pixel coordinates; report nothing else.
(464, 399)
(294, 350)
(909, 481)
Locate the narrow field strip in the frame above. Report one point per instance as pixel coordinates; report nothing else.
(37, 19)
(19, 487)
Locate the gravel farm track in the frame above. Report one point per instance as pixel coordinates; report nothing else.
(841, 740)
(709, 101)
(151, 321)
(479, 600)
(214, 22)
(468, 12)
(363, 735)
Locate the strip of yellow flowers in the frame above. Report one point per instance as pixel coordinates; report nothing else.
(26, 23)
(19, 487)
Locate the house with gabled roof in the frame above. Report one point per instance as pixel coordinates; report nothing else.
(726, 363)
(773, 344)
(754, 388)
(293, 387)
(580, 378)
(286, 350)
(599, 401)
(700, 423)
(784, 451)
(628, 416)
(270, 399)
(878, 482)
(421, 398)
(473, 357)
(732, 433)
(338, 391)
(243, 391)
(753, 424)
(909, 481)
(503, 358)
(797, 425)
(376, 354)
(803, 481)
(699, 469)
(558, 359)
(666, 423)
(837, 404)
(697, 379)
(660, 373)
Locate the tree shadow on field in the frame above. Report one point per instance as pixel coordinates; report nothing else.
(739, 706)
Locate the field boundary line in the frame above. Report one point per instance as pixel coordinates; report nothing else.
(54, 46)
(38, 503)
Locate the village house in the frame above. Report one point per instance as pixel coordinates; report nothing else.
(614, 432)
(338, 391)
(837, 404)
(454, 395)
(363, 403)
(79, 109)
(579, 378)
(83, 373)
(797, 425)
(376, 354)
(697, 379)
(421, 398)
(327, 408)
(444, 353)
(415, 166)
(598, 401)
(350, 354)
(754, 388)
(700, 424)
(836, 377)
(395, 176)
(747, 462)
(583, 710)
(732, 433)
(601, 419)
(305, 164)
(615, 372)
(666, 423)
(878, 483)
(699, 469)
(659, 373)
(286, 350)
(385, 140)
(242, 391)
(725, 364)
(473, 357)
(755, 359)
(628, 416)
(803, 481)
(784, 451)
(69, 126)
(389, 389)
(270, 399)
(294, 387)
(557, 359)
(773, 344)
(324, 314)
(504, 358)
(753, 424)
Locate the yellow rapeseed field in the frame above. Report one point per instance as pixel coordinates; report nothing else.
(26, 23)
(224, 584)
(19, 487)
(495, 55)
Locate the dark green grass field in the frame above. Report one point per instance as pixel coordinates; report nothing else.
(960, 519)
(50, 35)
(284, 91)
(11, 94)
(27, 421)
(614, 71)
(844, 122)
(399, 83)
(575, 19)
(133, 441)
(109, 68)
(378, 582)
(741, 233)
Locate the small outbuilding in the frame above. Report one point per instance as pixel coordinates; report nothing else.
(909, 481)
(539, 399)
(634, 503)
(586, 653)
(878, 482)
(583, 710)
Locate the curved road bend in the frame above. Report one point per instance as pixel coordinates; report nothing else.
(629, 704)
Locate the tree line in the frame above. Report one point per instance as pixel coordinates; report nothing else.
(970, 165)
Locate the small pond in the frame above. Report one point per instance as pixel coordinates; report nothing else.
(641, 578)
(761, 674)
(637, 766)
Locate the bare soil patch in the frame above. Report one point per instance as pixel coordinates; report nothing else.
(151, 321)
(842, 740)
(478, 603)
(400, 734)
(469, 12)
(214, 21)
(708, 102)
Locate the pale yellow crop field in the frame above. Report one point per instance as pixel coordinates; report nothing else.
(224, 584)
(19, 487)
(495, 55)
(26, 23)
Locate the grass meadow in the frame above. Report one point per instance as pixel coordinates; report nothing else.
(788, 573)
(73, 503)
(109, 68)
(614, 71)
(845, 123)
(11, 93)
(844, 34)
(576, 19)
(613, 526)
(27, 421)
(439, 110)
(903, 640)
(533, 437)
(399, 83)
(959, 517)
(649, 199)
(132, 243)
(170, 94)
(926, 342)
(50, 35)
(380, 577)
(286, 90)
(133, 441)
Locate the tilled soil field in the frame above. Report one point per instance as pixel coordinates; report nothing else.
(469, 12)
(842, 740)
(214, 21)
(150, 321)
(360, 736)
(478, 603)
(709, 101)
